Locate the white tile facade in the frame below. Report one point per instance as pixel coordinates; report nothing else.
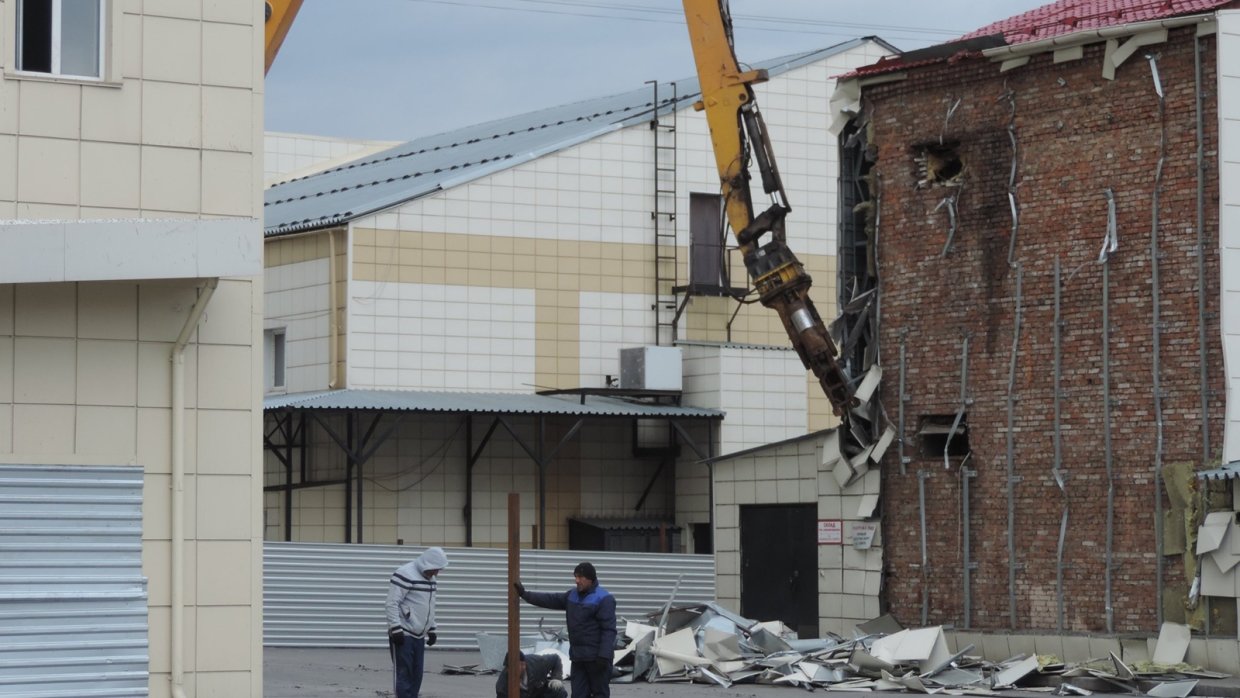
(761, 389)
(408, 336)
(291, 155)
(297, 299)
(609, 323)
(1229, 218)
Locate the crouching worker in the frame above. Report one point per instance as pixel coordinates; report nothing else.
(540, 677)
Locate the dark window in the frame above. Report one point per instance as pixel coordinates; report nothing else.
(706, 246)
(933, 432)
(61, 37)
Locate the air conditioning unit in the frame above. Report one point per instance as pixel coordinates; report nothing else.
(650, 368)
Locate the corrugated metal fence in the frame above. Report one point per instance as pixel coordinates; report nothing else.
(73, 618)
(324, 595)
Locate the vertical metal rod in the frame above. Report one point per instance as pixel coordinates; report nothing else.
(357, 470)
(964, 401)
(348, 478)
(514, 604)
(1011, 454)
(1157, 346)
(925, 556)
(1057, 441)
(288, 477)
(967, 567)
(1201, 261)
(469, 482)
(1106, 437)
(901, 397)
(542, 483)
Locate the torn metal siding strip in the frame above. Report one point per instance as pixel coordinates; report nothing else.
(1110, 243)
(1106, 421)
(950, 203)
(1010, 95)
(925, 557)
(1057, 441)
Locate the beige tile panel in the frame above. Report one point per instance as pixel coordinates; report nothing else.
(227, 183)
(225, 378)
(6, 428)
(225, 446)
(8, 167)
(107, 372)
(227, 118)
(171, 179)
(8, 102)
(155, 374)
(224, 638)
(171, 49)
(6, 308)
(224, 573)
(154, 440)
(229, 515)
(171, 114)
(107, 433)
(43, 429)
(107, 310)
(230, 11)
(45, 310)
(160, 627)
(6, 369)
(229, 53)
(50, 109)
(227, 684)
(301, 248)
(47, 171)
(113, 115)
(230, 316)
(163, 308)
(44, 371)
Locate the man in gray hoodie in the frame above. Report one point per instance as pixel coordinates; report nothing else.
(411, 619)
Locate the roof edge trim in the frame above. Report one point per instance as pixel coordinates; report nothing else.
(1090, 36)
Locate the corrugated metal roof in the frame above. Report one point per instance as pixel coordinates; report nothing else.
(426, 165)
(480, 403)
(1230, 471)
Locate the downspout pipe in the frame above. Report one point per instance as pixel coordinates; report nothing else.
(333, 325)
(177, 649)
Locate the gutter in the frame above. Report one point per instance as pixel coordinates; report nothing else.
(178, 486)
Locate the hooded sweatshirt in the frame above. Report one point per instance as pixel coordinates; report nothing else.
(411, 594)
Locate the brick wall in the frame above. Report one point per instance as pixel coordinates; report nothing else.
(1079, 134)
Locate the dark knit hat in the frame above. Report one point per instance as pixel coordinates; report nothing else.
(585, 569)
(520, 657)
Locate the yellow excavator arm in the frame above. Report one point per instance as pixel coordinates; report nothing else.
(736, 126)
(279, 17)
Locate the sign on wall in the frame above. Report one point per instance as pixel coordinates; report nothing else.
(830, 532)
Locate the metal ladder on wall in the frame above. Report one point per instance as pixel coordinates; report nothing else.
(666, 251)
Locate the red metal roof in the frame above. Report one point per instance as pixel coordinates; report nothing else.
(1055, 19)
(1069, 16)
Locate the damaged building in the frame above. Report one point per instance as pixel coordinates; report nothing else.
(1044, 208)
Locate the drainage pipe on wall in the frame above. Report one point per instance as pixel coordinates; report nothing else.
(177, 641)
(333, 326)
(1157, 340)
(1012, 478)
(1106, 435)
(1057, 440)
(1201, 259)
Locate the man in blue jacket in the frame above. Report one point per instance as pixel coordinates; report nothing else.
(590, 611)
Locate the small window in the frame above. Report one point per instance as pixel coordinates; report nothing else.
(706, 244)
(274, 359)
(933, 434)
(61, 37)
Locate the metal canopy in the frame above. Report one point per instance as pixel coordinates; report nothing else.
(289, 433)
(1229, 471)
(481, 403)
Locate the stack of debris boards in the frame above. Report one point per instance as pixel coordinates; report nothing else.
(706, 643)
(1218, 547)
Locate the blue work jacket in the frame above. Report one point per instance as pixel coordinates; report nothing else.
(591, 619)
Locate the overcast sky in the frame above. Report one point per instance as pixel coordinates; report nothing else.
(399, 69)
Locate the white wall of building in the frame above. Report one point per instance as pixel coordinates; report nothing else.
(1229, 218)
(297, 301)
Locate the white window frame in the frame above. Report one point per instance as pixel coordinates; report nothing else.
(270, 357)
(110, 19)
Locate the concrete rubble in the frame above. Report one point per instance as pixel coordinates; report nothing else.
(706, 643)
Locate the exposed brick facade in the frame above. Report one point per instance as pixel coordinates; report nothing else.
(1078, 134)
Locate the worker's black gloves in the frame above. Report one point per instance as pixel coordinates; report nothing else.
(520, 589)
(396, 637)
(431, 639)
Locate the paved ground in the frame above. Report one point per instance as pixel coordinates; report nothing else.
(341, 673)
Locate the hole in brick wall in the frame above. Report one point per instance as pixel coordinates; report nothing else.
(939, 164)
(933, 431)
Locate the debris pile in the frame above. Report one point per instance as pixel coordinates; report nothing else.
(706, 643)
